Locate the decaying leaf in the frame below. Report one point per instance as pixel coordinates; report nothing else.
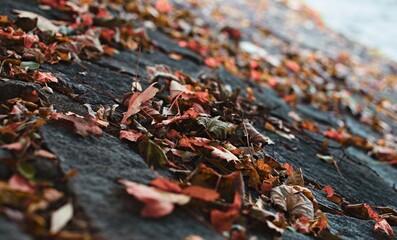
(292, 199)
(214, 126)
(255, 136)
(153, 153)
(158, 203)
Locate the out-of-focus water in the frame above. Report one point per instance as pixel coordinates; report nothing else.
(371, 22)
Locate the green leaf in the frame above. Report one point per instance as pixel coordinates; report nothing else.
(154, 155)
(30, 65)
(26, 169)
(214, 126)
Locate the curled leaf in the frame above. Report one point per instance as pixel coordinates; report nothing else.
(292, 199)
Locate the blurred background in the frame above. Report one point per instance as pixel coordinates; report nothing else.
(371, 22)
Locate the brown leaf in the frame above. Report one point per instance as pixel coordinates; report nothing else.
(255, 136)
(136, 101)
(292, 199)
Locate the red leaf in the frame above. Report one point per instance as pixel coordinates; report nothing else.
(136, 101)
(163, 6)
(381, 224)
(44, 77)
(157, 203)
(130, 135)
(166, 185)
(28, 40)
(211, 62)
(202, 193)
(266, 186)
(19, 183)
(223, 221)
(329, 190)
(335, 135)
(292, 65)
(82, 126)
(288, 167)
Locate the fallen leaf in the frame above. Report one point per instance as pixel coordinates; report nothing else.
(163, 6)
(130, 135)
(328, 190)
(44, 77)
(136, 101)
(255, 136)
(19, 183)
(381, 224)
(223, 154)
(214, 126)
(166, 185)
(292, 200)
(154, 155)
(82, 126)
(202, 193)
(158, 203)
(61, 217)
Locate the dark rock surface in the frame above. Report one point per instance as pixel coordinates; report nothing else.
(112, 213)
(102, 161)
(11, 231)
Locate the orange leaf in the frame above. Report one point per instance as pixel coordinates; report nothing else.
(202, 193)
(166, 185)
(289, 168)
(163, 6)
(329, 190)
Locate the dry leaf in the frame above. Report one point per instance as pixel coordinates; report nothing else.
(292, 200)
(61, 217)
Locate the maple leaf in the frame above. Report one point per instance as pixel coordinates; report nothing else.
(158, 203)
(136, 101)
(19, 183)
(82, 126)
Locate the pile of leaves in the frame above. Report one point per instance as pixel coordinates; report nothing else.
(32, 188)
(197, 128)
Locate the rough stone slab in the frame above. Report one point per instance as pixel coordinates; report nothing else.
(353, 228)
(11, 231)
(112, 213)
(358, 184)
